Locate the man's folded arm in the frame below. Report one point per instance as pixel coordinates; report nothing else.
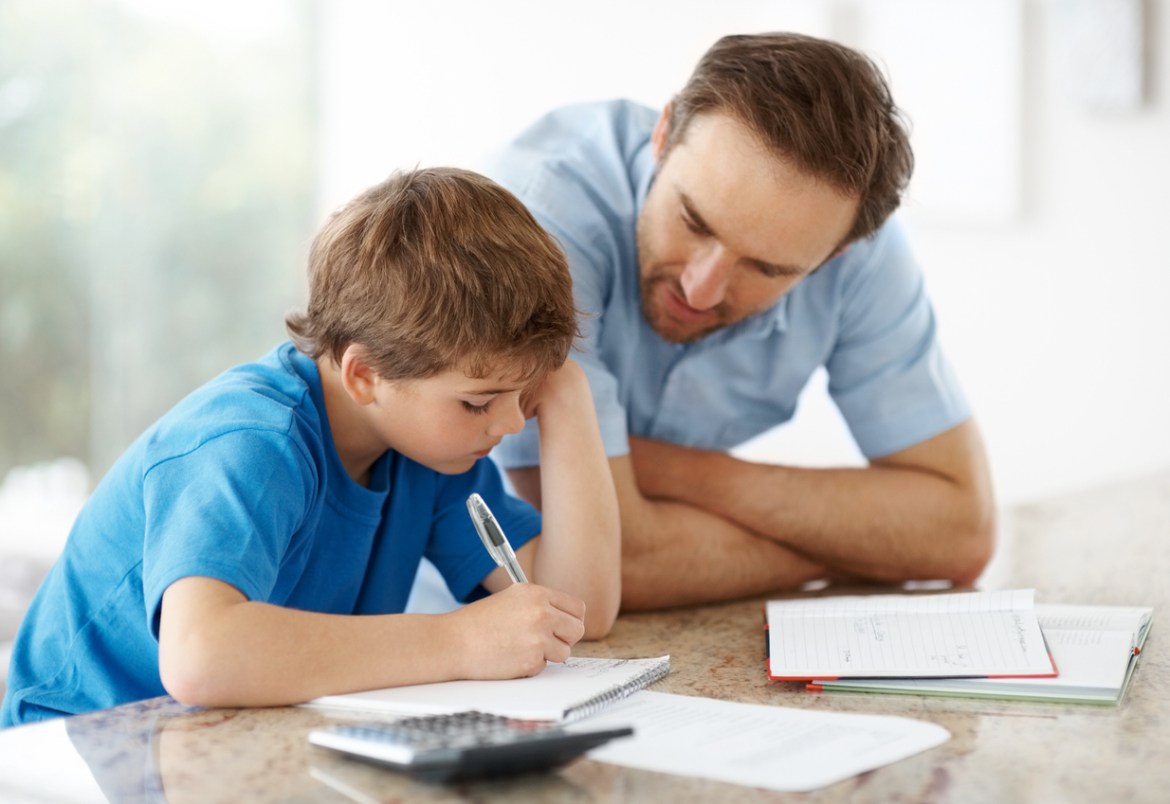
(926, 512)
(675, 554)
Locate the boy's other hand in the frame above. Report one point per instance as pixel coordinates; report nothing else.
(515, 631)
(568, 379)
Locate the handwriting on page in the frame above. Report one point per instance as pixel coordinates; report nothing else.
(594, 668)
(906, 636)
(946, 642)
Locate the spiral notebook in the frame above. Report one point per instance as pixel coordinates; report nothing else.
(561, 692)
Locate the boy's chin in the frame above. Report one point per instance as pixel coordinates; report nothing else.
(453, 467)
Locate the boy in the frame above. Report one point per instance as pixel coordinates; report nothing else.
(257, 545)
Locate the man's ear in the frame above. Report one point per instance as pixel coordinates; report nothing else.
(661, 133)
(357, 376)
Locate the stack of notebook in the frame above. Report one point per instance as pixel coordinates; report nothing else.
(974, 644)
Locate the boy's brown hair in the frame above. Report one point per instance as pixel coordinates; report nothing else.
(436, 268)
(821, 105)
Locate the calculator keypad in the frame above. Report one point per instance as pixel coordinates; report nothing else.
(459, 730)
(440, 748)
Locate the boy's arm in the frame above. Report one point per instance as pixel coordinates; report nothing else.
(217, 648)
(579, 550)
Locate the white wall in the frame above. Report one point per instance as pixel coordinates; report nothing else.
(1059, 322)
(1036, 215)
(433, 83)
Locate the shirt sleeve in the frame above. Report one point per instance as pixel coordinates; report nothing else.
(227, 510)
(581, 201)
(593, 276)
(887, 371)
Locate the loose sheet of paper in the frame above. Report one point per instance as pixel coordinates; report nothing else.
(773, 747)
(964, 634)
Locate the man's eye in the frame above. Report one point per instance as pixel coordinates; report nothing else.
(470, 408)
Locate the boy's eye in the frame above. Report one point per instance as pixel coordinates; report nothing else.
(470, 408)
(693, 226)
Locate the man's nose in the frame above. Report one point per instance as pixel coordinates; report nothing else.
(706, 277)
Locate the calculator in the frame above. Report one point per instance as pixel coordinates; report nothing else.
(462, 745)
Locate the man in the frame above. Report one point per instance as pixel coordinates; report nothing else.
(722, 251)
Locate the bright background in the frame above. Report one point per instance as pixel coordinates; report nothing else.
(1042, 133)
(163, 166)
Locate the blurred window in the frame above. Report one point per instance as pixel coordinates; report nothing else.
(157, 185)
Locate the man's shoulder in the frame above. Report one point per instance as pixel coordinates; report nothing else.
(596, 127)
(882, 259)
(870, 273)
(885, 246)
(579, 160)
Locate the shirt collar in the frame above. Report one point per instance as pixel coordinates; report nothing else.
(763, 324)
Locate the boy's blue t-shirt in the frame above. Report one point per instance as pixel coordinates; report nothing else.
(240, 482)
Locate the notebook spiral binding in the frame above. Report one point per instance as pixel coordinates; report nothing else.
(600, 702)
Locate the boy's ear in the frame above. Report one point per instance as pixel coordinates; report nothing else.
(357, 376)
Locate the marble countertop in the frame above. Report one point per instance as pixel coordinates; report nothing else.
(1108, 547)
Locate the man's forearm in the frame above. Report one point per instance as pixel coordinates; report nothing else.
(692, 556)
(674, 554)
(887, 521)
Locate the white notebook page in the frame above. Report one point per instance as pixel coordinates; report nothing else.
(560, 691)
(961, 634)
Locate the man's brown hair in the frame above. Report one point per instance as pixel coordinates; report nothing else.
(821, 105)
(437, 268)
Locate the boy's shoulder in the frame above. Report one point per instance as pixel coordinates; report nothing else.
(277, 394)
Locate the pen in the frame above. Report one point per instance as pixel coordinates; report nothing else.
(493, 538)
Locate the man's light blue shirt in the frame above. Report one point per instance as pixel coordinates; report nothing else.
(584, 172)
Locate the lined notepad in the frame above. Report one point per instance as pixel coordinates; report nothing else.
(575, 689)
(906, 636)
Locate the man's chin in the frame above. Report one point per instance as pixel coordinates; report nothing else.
(676, 332)
(672, 329)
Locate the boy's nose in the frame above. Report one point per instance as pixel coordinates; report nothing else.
(704, 281)
(509, 420)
